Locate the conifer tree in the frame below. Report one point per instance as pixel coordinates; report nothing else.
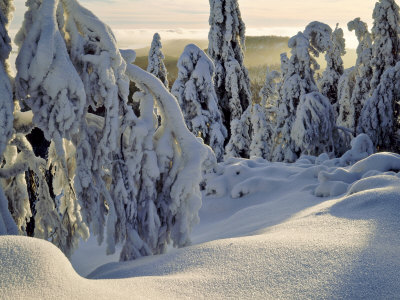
(156, 64)
(355, 86)
(232, 84)
(194, 89)
(386, 39)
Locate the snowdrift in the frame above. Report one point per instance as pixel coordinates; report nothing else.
(265, 233)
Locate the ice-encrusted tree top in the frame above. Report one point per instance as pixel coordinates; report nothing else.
(297, 80)
(226, 43)
(194, 89)
(156, 64)
(386, 39)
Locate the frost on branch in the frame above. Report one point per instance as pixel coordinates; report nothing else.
(156, 64)
(194, 89)
(380, 115)
(314, 125)
(297, 80)
(226, 43)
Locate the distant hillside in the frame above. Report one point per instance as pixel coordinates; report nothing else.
(260, 52)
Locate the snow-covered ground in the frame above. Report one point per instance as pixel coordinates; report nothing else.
(263, 234)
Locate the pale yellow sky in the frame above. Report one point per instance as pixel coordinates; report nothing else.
(134, 21)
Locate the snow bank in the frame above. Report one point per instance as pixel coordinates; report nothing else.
(279, 241)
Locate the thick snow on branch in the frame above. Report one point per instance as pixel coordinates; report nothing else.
(46, 79)
(194, 89)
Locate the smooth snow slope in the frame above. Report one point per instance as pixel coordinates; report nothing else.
(263, 235)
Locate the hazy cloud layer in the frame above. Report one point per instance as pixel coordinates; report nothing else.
(189, 18)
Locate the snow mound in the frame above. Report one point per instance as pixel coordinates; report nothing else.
(376, 197)
(35, 269)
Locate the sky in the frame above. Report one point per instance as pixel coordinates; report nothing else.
(135, 21)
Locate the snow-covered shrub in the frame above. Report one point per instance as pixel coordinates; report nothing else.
(194, 89)
(156, 64)
(232, 83)
(314, 126)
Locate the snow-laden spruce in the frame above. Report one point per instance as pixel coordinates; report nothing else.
(132, 181)
(263, 117)
(328, 84)
(354, 85)
(379, 117)
(241, 132)
(297, 80)
(194, 90)
(386, 39)
(156, 64)
(232, 83)
(7, 226)
(180, 156)
(313, 129)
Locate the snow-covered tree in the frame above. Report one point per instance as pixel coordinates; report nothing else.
(106, 168)
(345, 91)
(156, 64)
(263, 118)
(180, 156)
(268, 92)
(194, 89)
(328, 84)
(355, 86)
(386, 39)
(297, 80)
(314, 126)
(241, 132)
(48, 83)
(232, 84)
(7, 225)
(380, 115)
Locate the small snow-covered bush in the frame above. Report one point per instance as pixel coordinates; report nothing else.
(313, 128)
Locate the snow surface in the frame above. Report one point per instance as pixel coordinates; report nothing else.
(263, 234)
